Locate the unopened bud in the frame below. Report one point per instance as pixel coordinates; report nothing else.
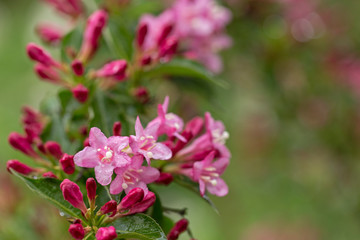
(106, 233)
(115, 69)
(67, 163)
(146, 60)
(80, 93)
(168, 49)
(77, 67)
(165, 178)
(91, 189)
(141, 34)
(54, 149)
(77, 231)
(165, 33)
(48, 74)
(49, 34)
(134, 196)
(19, 167)
(179, 228)
(142, 95)
(49, 175)
(117, 129)
(21, 143)
(73, 195)
(142, 206)
(86, 142)
(109, 207)
(38, 54)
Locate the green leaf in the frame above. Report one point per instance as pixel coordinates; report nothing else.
(71, 40)
(184, 68)
(139, 226)
(49, 188)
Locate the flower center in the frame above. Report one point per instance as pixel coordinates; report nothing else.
(209, 175)
(220, 137)
(106, 154)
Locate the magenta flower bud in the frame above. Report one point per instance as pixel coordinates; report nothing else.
(135, 195)
(80, 93)
(109, 207)
(49, 34)
(165, 33)
(145, 60)
(48, 74)
(169, 47)
(142, 206)
(179, 228)
(21, 143)
(38, 54)
(77, 231)
(115, 69)
(67, 163)
(77, 67)
(91, 189)
(117, 129)
(73, 195)
(142, 95)
(141, 34)
(86, 142)
(94, 26)
(165, 178)
(19, 167)
(54, 149)
(49, 175)
(106, 233)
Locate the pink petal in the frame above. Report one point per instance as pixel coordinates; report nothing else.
(165, 104)
(137, 161)
(202, 187)
(221, 164)
(220, 189)
(161, 152)
(208, 159)
(121, 160)
(96, 138)
(87, 158)
(133, 144)
(152, 128)
(141, 185)
(103, 173)
(116, 185)
(139, 130)
(117, 143)
(149, 174)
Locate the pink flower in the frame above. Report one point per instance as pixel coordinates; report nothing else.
(106, 233)
(179, 228)
(104, 154)
(134, 196)
(207, 173)
(140, 205)
(145, 143)
(133, 176)
(77, 231)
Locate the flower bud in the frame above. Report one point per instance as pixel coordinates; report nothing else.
(117, 129)
(19, 167)
(48, 74)
(86, 142)
(179, 228)
(72, 8)
(142, 95)
(49, 175)
(38, 54)
(141, 34)
(145, 60)
(115, 69)
(67, 163)
(134, 196)
(109, 207)
(77, 231)
(106, 233)
(168, 49)
(21, 143)
(165, 178)
(80, 93)
(91, 189)
(77, 67)
(54, 149)
(49, 34)
(165, 33)
(142, 206)
(73, 195)
(94, 26)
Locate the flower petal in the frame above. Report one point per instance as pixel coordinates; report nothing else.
(121, 160)
(87, 158)
(103, 173)
(161, 152)
(96, 138)
(116, 185)
(139, 130)
(220, 189)
(117, 143)
(149, 174)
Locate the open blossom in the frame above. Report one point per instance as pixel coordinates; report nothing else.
(208, 173)
(134, 176)
(144, 142)
(104, 154)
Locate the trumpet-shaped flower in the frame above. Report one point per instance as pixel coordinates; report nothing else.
(104, 154)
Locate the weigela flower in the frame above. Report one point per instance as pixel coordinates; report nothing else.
(104, 154)
(19, 167)
(133, 176)
(106, 233)
(77, 231)
(144, 142)
(208, 173)
(72, 194)
(138, 206)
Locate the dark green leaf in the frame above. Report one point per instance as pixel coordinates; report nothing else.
(139, 226)
(49, 188)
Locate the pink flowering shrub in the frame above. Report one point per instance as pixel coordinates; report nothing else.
(70, 139)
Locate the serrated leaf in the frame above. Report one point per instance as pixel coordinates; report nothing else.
(184, 68)
(139, 226)
(49, 188)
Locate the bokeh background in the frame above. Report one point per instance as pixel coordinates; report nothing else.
(292, 110)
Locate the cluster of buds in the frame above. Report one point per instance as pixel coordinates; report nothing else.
(136, 201)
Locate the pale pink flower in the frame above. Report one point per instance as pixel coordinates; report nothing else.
(133, 176)
(104, 154)
(145, 142)
(208, 173)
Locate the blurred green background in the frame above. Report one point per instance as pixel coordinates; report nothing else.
(291, 109)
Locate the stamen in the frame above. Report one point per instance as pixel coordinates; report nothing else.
(142, 138)
(213, 182)
(124, 186)
(206, 178)
(149, 154)
(214, 174)
(210, 168)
